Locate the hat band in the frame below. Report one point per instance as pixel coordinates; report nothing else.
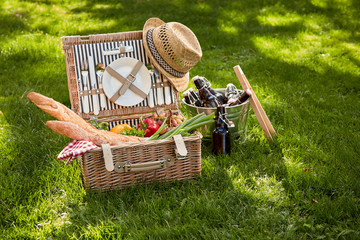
(158, 58)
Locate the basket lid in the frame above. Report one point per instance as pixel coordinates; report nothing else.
(108, 49)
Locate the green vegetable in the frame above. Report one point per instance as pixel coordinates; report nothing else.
(187, 134)
(188, 126)
(198, 125)
(197, 117)
(133, 132)
(101, 126)
(167, 134)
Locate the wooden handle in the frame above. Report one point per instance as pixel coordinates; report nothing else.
(256, 106)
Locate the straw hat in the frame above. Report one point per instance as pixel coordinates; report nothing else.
(173, 49)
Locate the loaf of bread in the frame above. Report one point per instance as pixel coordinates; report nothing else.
(80, 128)
(116, 139)
(73, 131)
(59, 110)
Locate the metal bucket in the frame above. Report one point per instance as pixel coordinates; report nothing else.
(237, 114)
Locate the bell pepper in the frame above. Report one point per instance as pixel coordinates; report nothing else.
(149, 125)
(120, 127)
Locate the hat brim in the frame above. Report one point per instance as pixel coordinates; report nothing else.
(179, 83)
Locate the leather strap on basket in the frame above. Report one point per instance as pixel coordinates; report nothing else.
(122, 49)
(163, 162)
(108, 157)
(130, 78)
(181, 151)
(126, 82)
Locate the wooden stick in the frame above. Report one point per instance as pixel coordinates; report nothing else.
(263, 114)
(255, 104)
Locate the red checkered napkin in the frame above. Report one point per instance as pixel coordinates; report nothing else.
(74, 149)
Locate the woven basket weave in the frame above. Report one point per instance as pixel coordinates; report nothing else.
(94, 172)
(96, 177)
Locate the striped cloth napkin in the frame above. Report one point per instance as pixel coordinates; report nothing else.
(74, 149)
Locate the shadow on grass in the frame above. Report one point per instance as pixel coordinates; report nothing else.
(10, 23)
(230, 189)
(215, 199)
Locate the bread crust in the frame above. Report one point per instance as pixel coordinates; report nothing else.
(73, 131)
(58, 110)
(79, 129)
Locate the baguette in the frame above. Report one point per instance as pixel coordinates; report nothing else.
(73, 131)
(64, 114)
(112, 137)
(59, 111)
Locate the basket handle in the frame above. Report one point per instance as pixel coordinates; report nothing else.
(163, 162)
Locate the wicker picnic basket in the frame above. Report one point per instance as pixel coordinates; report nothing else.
(115, 167)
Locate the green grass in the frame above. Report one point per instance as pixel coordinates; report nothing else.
(302, 59)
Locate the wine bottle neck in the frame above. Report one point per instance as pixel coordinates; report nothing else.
(222, 121)
(200, 84)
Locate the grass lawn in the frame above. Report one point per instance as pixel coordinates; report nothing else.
(302, 59)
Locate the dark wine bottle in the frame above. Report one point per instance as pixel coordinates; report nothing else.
(230, 91)
(208, 99)
(221, 143)
(219, 96)
(187, 97)
(195, 98)
(241, 99)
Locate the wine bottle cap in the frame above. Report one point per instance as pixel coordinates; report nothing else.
(231, 124)
(195, 78)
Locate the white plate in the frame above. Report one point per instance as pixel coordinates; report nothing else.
(124, 66)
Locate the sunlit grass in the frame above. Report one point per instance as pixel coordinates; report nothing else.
(203, 7)
(339, 4)
(310, 50)
(259, 187)
(302, 60)
(229, 21)
(276, 19)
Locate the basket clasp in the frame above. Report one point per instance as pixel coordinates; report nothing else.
(180, 151)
